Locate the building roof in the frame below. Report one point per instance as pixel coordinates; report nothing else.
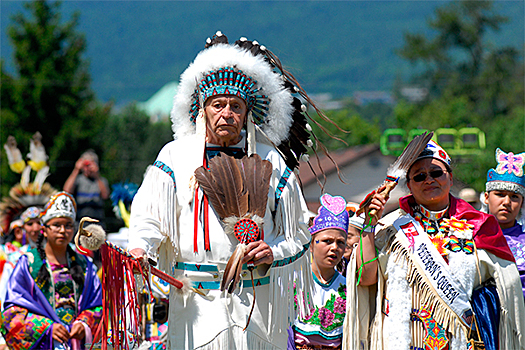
(159, 105)
(342, 158)
(362, 168)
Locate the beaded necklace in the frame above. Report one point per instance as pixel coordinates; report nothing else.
(431, 221)
(447, 235)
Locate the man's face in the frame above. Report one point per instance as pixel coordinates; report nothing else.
(225, 118)
(89, 167)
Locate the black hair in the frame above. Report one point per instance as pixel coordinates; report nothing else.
(43, 274)
(74, 269)
(9, 238)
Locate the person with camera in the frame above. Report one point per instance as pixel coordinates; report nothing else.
(89, 188)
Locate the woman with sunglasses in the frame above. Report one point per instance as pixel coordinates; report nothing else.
(423, 265)
(54, 297)
(505, 190)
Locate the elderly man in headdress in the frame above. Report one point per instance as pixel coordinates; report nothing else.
(232, 101)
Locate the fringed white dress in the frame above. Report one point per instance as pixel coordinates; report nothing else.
(385, 316)
(162, 223)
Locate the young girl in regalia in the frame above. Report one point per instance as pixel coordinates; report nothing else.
(54, 298)
(322, 328)
(505, 190)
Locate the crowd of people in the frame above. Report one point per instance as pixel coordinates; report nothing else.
(222, 210)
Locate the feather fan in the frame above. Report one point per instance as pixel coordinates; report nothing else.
(228, 176)
(256, 174)
(224, 186)
(207, 182)
(409, 155)
(237, 189)
(398, 169)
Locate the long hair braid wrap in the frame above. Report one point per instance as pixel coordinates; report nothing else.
(74, 268)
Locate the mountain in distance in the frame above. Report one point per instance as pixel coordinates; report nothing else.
(339, 47)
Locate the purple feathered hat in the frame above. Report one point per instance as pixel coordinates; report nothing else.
(331, 214)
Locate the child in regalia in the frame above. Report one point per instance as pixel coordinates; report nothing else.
(322, 328)
(54, 298)
(504, 199)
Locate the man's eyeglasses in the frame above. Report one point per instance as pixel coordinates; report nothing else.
(435, 174)
(57, 227)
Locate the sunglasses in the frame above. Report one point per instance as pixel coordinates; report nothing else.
(435, 174)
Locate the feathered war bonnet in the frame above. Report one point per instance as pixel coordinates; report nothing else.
(251, 72)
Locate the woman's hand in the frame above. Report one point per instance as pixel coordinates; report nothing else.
(259, 252)
(60, 333)
(78, 331)
(378, 203)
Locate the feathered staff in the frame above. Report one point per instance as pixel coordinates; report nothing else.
(398, 169)
(25, 193)
(118, 278)
(238, 191)
(14, 156)
(37, 153)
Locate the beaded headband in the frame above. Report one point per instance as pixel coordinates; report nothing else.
(60, 205)
(331, 214)
(433, 150)
(30, 213)
(230, 81)
(508, 174)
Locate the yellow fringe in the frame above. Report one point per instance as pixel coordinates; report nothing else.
(427, 296)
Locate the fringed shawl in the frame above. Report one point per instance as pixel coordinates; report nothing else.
(364, 331)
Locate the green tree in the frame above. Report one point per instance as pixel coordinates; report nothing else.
(444, 111)
(460, 59)
(131, 143)
(470, 83)
(51, 90)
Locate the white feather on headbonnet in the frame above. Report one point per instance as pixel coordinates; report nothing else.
(278, 120)
(60, 205)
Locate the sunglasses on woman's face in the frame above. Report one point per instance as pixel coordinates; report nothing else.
(435, 174)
